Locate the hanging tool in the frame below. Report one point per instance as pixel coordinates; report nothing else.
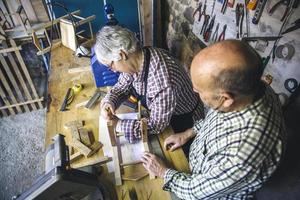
(198, 10)
(291, 85)
(222, 35)
(286, 3)
(285, 51)
(295, 26)
(224, 6)
(215, 34)
(251, 5)
(239, 18)
(67, 99)
(208, 31)
(213, 8)
(247, 20)
(259, 10)
(266, 38)
(205, 23)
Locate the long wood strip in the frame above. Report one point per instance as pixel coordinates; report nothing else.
(7, 50)
(12, 6)
(25, 71)
(23, 103)
(5, 11)
(29, 10)
(21, 79)
(8, 89)
(6, 102)
(13, 81)
(3, 113)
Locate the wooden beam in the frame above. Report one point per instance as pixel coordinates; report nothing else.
(88, 162)
(23, 103)
(29, 10)
(10, 49)
(6, 102)
(48, 49)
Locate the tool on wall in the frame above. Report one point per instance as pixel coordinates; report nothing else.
(251, 5)
(239, 18)
(208, 31)
(224, 6)
(215, 34)
(295, 26)
(285, 51)
(247, 19)
(205, 23)
(286, 3)
(222, 35)
(198, 10)
(291, 85)
(258, 11)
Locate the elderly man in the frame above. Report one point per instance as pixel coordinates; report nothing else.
(153, 76)
(241, 140)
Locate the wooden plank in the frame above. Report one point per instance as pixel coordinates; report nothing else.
(7, 50)
(75, 156)
(134, 172)
(23, 103)
(50, 48)
(6, 12)
(95, 148)
(79, 69)
(40, 10)
(97, 161)
(14, 84)
(7, 86)
(29, 10)
(4, 99)
(12, 6)
(81, 147)
(117, 172)
(4, 113)
(21, 79)
(25, 71)
(85, 136)
(68, 37)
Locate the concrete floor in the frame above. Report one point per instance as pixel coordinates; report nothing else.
(22, 151)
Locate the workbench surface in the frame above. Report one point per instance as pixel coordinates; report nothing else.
(59, 81)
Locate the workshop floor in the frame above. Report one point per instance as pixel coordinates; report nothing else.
(22, 151)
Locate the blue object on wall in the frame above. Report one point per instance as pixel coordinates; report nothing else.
(125, 11)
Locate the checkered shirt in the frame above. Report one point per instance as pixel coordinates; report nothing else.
(233, 153)
(169, 91)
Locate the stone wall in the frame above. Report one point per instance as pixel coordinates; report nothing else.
(178, 22)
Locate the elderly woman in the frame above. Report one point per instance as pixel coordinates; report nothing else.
(154, 77)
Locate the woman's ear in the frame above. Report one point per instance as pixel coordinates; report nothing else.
(123, 55)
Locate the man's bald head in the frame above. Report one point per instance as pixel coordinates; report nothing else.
(230, 65)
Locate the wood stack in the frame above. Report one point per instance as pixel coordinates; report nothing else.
(82, 140)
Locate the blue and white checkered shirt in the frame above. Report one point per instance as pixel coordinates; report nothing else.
(233, 153)
(169, 91)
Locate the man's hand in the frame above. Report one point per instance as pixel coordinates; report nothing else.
(177, 140)
(154, 164)
(107, 111)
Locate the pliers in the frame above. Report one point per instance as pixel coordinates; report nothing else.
(222, 35)
(295, 26)
(239, 18)
(215, 34)
(203, 13)
(205, 23)
(276, 5)
(208, 31)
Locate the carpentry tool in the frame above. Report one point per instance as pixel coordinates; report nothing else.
(237, 18)
(296, 25)
(90, 104)
(205, 23)
(286, 3)
(77, 88)
(222, 35)
(224, 6)
(213, 8)
(67, 100)
(247, 20)
(291, 85)
(259, 10)
(208, 31)
(241, 19)
(198, 10)
(215, 34)
(251, 5)
(285, 51)
(60, 181)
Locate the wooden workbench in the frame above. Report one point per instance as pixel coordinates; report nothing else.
(59, 82)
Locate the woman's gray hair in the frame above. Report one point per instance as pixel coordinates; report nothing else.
(111, 40)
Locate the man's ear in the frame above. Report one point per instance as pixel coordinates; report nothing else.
(123, 55)
(227, 99)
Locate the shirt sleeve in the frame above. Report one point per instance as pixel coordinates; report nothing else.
(162, 108)
(232, 168)
(120, 91)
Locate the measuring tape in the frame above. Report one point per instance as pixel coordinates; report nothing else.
(77, 88)
(259, 10)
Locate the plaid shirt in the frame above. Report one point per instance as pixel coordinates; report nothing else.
(169, 91)
(233, 153)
